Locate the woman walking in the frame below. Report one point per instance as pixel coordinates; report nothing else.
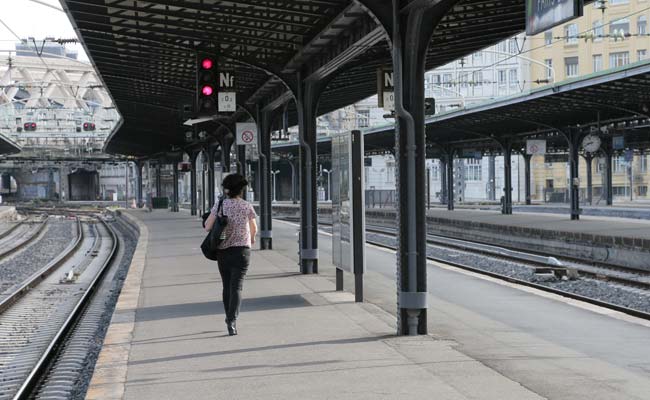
(239, 233)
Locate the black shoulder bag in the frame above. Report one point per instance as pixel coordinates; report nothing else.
(210, 245)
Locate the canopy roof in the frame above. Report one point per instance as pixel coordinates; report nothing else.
(144, 52)
(617, 99)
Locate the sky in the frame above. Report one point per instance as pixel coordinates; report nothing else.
(30, 19)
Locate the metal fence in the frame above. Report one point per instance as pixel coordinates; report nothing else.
(380, 198)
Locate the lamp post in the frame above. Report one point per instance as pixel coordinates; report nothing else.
(274, 173)
(329, 185)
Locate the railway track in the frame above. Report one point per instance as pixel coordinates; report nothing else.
(628, 277)
(36, 318)
(20, 235)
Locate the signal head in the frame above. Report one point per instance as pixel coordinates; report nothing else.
(207, 63)
(207, 90)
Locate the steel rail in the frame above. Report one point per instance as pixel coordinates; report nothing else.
(46, 271)
(40, 369)
(623, 309)
(600, 303)
(26, 241)
(13, 228)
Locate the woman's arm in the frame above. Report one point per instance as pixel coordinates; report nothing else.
(252, 223)
(210, 221)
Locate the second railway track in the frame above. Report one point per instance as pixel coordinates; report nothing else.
(36, 317)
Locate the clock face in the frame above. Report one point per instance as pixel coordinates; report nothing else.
(591, 143)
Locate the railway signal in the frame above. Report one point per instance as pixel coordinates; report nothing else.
(89, 126)
(29, 126)
(206, 85)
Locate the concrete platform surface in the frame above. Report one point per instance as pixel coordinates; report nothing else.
(298, 338)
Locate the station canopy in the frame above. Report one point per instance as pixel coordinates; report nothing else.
(144, 52)
(8, 146)
(615, 101)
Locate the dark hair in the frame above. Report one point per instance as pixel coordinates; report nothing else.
(234, 185)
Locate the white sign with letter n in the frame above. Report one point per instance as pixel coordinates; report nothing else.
(535, 147)
(246, 133)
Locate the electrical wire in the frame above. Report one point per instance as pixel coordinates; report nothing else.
(558, 40)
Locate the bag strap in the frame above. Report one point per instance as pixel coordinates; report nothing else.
(220, 207)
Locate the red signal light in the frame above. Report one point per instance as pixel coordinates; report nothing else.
(85, 125)
(207, 90)
(207, 63)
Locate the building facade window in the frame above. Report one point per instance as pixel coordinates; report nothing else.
(571, 66)
(477, 78)
(641, 54)
(643, 163)
(390, 171)
(513, 78)
(571, 33)
(598, 30)
(512, 46)
(435, 171)
(619, 59)
(363, 118)
(502, 77)
(548, 37)
(446, 80)
(622, 24)
(473, 170)
(641, 25)
(598, 62)
(615, 2)
(549, 68)
(619, 165)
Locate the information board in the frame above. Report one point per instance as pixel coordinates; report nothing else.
(348, 203)
(542, 15)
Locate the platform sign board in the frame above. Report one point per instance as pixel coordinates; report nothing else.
(227, 101)
(385, 89)
(246, 133)
(227, 97)
(618, 142)
(348, 203)
(535, 147)
(542, 15)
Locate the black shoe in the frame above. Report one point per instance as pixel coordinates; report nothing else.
(232, 328)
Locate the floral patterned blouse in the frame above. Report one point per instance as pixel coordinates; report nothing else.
(239, 213)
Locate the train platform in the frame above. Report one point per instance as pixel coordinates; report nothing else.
(301, 339)
(298, 337)
(609, 240)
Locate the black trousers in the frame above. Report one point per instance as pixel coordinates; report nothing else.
(233, 264)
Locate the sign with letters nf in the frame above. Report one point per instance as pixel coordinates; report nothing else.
(246, 133)
(227, 96)
(542, 15)
(385, 96)
(535, 147)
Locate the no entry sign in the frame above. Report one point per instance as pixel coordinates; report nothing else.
(246, 133)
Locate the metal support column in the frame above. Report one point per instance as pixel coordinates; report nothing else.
(175, 207)
(294, 182)
(574, 138)
(307, 104)
(507, 179)
(241, 165)
(492, 181)
(193, 183)
(590, 189)
(412, 28)
(264, 174)
(226, 146)
(609, 190)
(450, 180)
(527, 158)
(158, 180)
(210, 187)
(443, 181)
(138, 192)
